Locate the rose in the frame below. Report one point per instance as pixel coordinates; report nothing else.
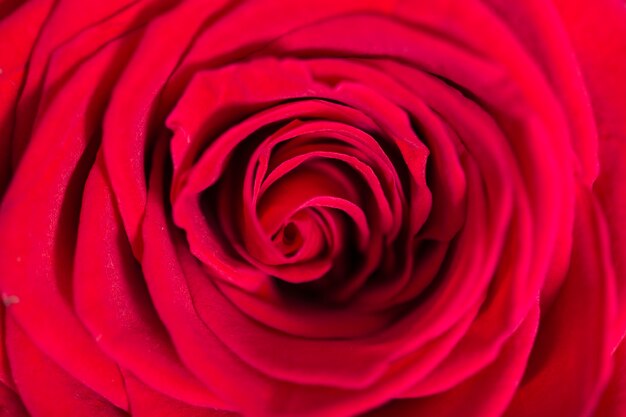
(455, 175)
(276, 208)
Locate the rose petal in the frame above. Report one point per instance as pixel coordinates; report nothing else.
(613, 402)
(10, 403)
(579, 354)
(500, 379)
(145, 402)
(602, 64)
(12, 71)
(46, 389)
(113, 302)
(38, 236)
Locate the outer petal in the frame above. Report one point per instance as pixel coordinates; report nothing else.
(10, 403)
(500, 379)
(570, 362)
(46, 389)
(597, 30)
(613, 403)
(112, 300)
(37, 219)
(145, 402)
(17, 44)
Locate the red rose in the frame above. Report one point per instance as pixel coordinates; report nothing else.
(329, 208)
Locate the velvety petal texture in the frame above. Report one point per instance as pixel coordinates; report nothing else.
(330, 208)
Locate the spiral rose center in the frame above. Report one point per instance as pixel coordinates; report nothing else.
(313, 196)
(313, 202)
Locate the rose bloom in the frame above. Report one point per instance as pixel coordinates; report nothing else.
(313, 208)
